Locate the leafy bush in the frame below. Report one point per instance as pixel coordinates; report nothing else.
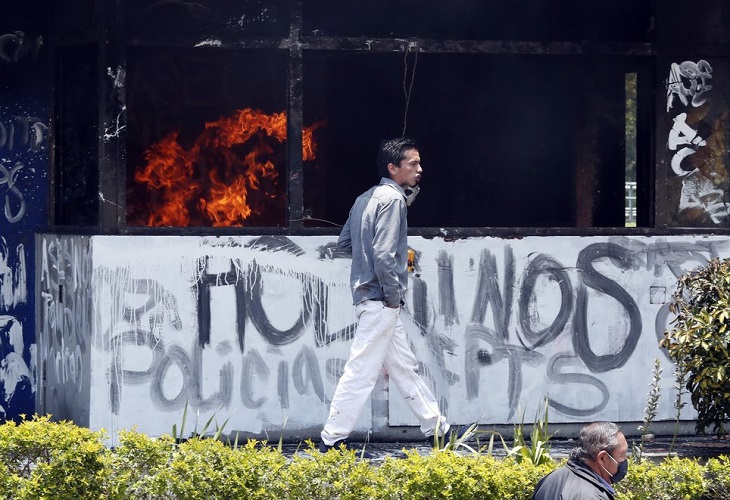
(717, 478)
(441, 475)
(43, 459)
(518, 480)
(136, 461)
(447, 475)
(7, 481)
(699, 341)
(201, 469)
(673, 478)
(337, 474)
(52, 460)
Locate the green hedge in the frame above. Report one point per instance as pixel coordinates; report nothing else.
(57, 460)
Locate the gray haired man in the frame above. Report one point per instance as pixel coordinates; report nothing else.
(598, 462)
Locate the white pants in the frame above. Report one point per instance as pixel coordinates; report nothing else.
(380, 340)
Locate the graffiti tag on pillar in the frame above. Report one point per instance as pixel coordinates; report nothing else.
(685, 136)
(25, 131)
(19, 134)
(688, 87)
(14, 206)
(689, 82)
(13, 276)
(16, 46)
(16, 380)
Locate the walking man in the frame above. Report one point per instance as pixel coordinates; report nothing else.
(376, 234)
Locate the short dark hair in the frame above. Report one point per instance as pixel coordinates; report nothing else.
(594, 438)
(393, 151)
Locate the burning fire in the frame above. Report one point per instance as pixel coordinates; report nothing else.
(224, 177)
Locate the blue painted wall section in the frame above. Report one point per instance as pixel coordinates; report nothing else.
(24, 161)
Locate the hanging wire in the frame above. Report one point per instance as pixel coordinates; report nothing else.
(308, 217)
(407, 90)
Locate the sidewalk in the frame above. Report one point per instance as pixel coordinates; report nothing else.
(700, 447)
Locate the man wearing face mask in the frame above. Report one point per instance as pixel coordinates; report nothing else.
(598, 462)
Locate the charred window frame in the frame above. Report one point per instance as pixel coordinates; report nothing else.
(590, 193)
(75, 136)
(502, 160)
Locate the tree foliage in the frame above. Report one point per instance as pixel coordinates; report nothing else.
(630, 132)
(699, 341)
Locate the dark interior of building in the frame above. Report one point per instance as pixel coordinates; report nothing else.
(525, 111)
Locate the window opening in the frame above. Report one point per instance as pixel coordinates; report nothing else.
(630, 142)
(207, 138)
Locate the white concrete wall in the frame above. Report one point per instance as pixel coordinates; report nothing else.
(254, 329)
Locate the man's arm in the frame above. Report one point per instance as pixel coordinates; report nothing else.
(385, 242)
(344, 242)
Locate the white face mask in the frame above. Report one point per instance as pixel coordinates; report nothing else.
(411, 193)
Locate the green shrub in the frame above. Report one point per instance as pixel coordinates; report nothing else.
(43, 459)
(673, 478)
(138, 459)
(440, 475)
(335, 474)
(8, 481)
(700, 339)
(717, 478)
(203, 469)
(518, 480)
(448, 475)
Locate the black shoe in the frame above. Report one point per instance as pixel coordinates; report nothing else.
(359, 451)
(324, 448)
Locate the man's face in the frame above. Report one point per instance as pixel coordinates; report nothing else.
(620, 454)
(408, 172)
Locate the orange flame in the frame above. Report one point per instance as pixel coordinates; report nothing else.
(236, 154)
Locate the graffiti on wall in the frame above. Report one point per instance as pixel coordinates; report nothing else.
(23, 168)
(17, 378)
(25, 133)
(16, 46)
(149, 315)
(65, 320)
(575, 351)
(259, 328)
(23, 140)
(697, 141)
(114, 126)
